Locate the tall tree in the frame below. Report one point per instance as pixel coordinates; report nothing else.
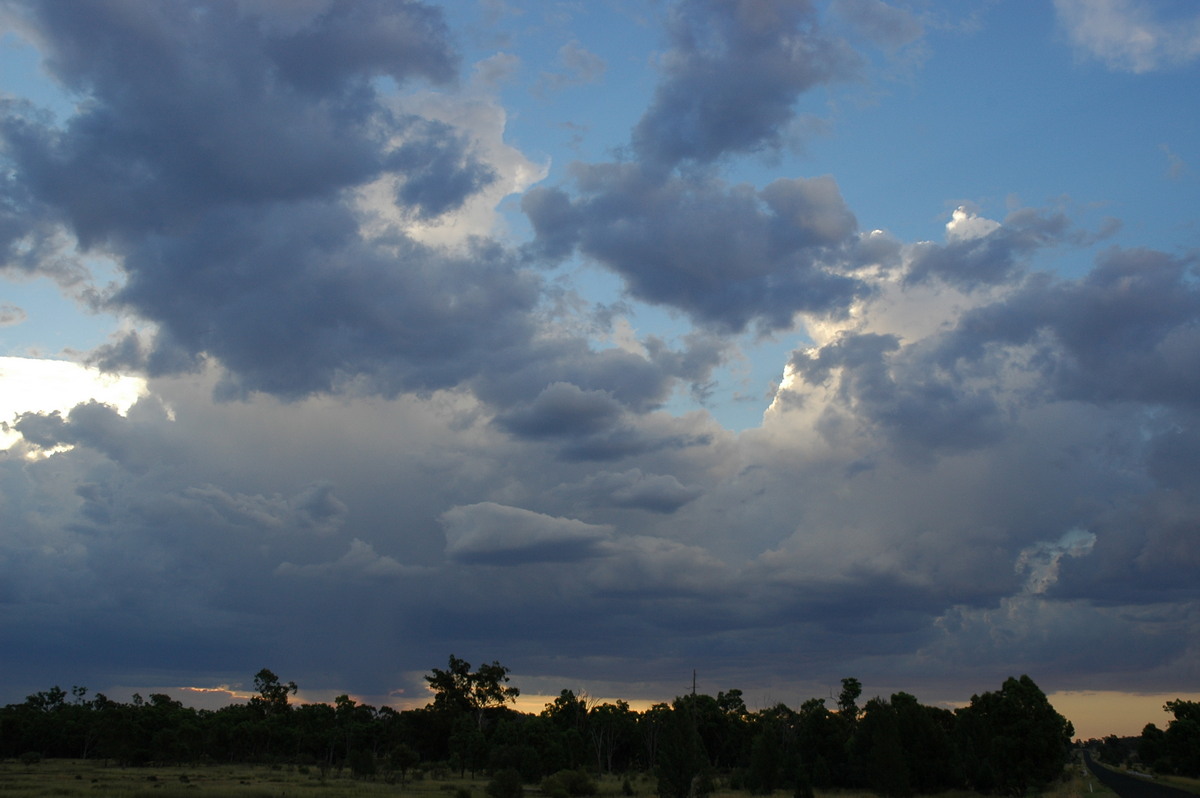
(272, 698)
(848, 698)
(460, 689)
(1012, 741)
(681, 765)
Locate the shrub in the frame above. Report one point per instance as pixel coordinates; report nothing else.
(568, 784)
(506, 784)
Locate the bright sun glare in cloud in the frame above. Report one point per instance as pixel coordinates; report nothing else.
(31, 385)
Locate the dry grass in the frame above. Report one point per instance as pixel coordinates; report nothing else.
(93, 779)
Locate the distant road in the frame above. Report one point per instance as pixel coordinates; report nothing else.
(1132, 786)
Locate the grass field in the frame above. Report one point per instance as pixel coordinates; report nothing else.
(92, 779)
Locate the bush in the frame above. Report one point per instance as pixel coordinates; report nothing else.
(31, 758)
(506, 784)
(568, 784)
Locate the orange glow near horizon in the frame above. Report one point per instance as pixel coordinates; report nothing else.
(1099, 713)
(1093, 713)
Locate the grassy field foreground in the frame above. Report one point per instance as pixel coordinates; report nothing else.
(92, 779)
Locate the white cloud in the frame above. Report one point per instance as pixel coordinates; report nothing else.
(1041, 560)
(1130, 35)
(965, 225)
(32, 385)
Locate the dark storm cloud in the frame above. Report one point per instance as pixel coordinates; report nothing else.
(188, 108)
(1009, 480)
(292, 301)
(106, 560)
(732, 77)
(213, 153)
(729, 256)
(562, 409)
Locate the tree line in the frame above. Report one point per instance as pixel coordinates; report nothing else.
(1171, 751)
(1009, 741)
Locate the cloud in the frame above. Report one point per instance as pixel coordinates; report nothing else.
(239, 233)
(426, 419)
(33, 385)
(886, 25)
(1130, 35)
(11, 315)
(980, 251)
(563, 409)
(647, 566)
(490, 533)
(1123, 332)
(240, 112)
(729, 256)
(291, 301)
(578, 67)
(1041, 561)
(657, 493)
(360, 560)
(732, 76)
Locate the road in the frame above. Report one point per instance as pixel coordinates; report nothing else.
(1132, 786)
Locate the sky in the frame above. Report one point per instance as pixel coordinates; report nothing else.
(777, 341)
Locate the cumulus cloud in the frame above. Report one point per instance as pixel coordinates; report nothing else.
(244, 216)
(732, 76)
(980, 251)
(729, 256)
(1130, 35)
(33, 385)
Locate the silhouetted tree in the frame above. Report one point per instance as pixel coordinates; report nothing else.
(681, 766)
(459, 689)
(1012, 741)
